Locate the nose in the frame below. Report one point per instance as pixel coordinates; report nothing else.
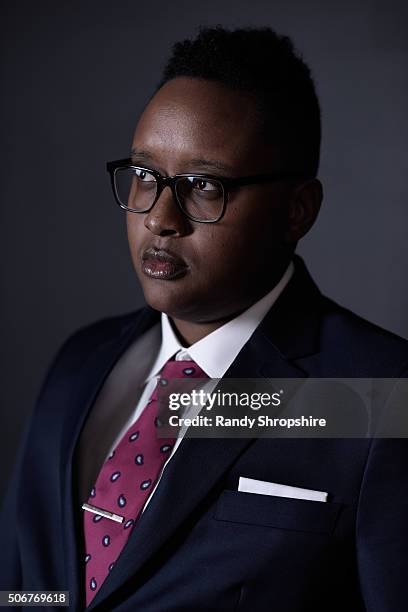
(166, 218)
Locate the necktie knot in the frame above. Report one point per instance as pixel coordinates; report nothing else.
(181, 369)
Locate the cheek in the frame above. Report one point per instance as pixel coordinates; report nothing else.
(135, 230)
(210, 246)
(218, 254)
(243, 227)
(260, 221)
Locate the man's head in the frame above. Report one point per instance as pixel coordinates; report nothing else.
(230, 104)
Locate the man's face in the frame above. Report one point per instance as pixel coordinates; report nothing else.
(199, 126)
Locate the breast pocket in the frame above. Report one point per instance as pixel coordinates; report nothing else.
(278, 512)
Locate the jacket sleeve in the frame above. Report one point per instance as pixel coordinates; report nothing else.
(382, 527)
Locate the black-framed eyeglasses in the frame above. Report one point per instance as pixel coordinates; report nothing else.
(201, 197)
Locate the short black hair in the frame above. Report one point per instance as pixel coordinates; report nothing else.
(265, 64)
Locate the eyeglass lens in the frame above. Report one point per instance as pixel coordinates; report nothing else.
(201, 198)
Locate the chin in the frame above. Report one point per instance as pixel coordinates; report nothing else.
(165, 296)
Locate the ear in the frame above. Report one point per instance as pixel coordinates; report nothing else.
(303, 207)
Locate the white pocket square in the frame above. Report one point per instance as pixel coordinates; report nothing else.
(249, 485)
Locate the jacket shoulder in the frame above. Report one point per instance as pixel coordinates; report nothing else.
(369, 349)
(101, 330)
(76, 349)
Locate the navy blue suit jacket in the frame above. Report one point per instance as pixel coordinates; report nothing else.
(201, 544)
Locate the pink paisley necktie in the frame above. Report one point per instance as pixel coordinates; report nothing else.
(125, 481)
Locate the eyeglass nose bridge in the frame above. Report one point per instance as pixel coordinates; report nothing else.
(162, 183)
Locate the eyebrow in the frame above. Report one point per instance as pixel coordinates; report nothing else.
(144, 155)
(210, 164)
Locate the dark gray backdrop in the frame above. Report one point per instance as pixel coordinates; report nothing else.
(74, 78)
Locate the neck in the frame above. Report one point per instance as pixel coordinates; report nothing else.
(189, 332)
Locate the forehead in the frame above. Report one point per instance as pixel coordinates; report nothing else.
(191, 117)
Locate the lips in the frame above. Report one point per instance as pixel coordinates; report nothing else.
(162, 264)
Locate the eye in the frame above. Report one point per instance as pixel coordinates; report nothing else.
(202, 184)
(199, 190)
(143, 175)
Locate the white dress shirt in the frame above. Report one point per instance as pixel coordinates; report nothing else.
(134, 377)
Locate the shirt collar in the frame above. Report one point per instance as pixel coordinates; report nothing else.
(215, 352)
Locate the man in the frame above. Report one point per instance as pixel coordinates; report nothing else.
(235, 124)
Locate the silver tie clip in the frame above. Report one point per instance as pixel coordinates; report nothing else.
(110, 515)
